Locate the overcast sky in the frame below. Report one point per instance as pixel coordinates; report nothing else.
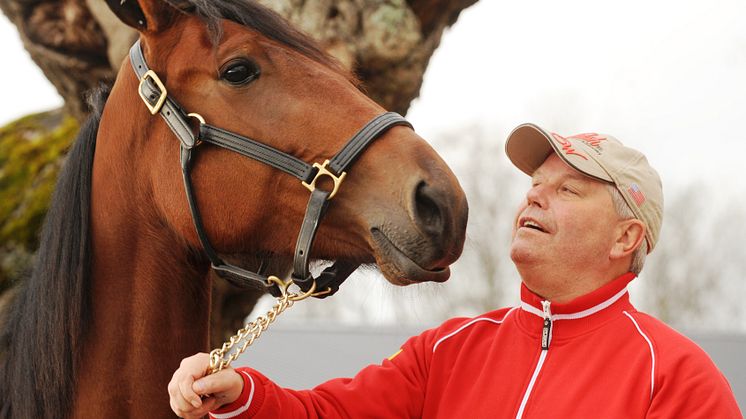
(665, 76)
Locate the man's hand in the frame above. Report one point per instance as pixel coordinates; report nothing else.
(189, 383)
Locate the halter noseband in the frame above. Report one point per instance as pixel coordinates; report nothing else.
(156, 98)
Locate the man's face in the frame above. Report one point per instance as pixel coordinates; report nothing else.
(567, 222)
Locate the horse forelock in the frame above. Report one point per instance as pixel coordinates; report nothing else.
(255, 16)
(47, 318)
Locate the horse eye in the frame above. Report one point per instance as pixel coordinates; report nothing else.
(240, 72)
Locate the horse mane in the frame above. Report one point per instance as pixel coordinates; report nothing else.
(41, 341)
(46, 321)
(260, 18)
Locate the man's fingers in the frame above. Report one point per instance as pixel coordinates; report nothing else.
(208, 385)
(173, 386)
(214, 383)
(181, 406)
(196, 365)
(190, 369)
(189, 382)
(173, 406)
(184, 401)
(185, 388)
(186, 411)
(207, 406)
(174, 392)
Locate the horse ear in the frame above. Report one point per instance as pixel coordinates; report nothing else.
(129, 12)
(145, 15)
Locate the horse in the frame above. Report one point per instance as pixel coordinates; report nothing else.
(120, 291)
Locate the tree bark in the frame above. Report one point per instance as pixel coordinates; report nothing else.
(67, 44)
(79, 44)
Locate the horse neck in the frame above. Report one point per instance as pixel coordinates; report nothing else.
(150, 299)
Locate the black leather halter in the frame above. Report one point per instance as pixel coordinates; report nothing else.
(156, 98)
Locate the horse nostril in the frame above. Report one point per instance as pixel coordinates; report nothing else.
(428, 213)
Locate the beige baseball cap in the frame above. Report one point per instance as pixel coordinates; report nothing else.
(601, 157)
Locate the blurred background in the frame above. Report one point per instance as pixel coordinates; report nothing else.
(665, 77)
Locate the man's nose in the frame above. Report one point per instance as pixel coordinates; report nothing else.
(536, 196)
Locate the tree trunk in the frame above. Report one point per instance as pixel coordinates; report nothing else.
(79, 44)
(387, 43)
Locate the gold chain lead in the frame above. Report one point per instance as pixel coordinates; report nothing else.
(251, 331)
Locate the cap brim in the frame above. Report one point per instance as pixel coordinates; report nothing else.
(528, 146)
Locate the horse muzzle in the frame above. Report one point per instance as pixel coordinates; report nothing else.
(421, 246)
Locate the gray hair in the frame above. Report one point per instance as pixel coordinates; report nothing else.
(625, 212)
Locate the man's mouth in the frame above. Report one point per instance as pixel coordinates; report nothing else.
(532, 224)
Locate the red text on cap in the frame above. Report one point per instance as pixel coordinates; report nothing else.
(567, 146)
(591, 138)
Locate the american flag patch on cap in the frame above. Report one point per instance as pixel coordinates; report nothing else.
(636, 194)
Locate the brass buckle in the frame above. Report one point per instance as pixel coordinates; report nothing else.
(201, 120)
(285, 285)
(162, 99)
(324, 171)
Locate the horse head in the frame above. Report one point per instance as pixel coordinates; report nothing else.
(244, 70)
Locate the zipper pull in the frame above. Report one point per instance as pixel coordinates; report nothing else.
(546, 331)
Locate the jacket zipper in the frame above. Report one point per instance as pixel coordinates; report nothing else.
(546, 340)
(546, 330)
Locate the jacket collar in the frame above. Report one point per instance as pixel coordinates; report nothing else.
(579, 315)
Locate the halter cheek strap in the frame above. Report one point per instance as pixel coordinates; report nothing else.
(155, 96)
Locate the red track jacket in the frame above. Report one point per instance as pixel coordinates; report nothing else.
(594, 357)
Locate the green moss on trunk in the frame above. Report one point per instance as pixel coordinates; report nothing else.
(32, 150)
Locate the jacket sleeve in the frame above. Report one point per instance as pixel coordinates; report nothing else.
(395, 388)
(689, 385)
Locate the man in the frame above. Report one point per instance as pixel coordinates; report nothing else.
(574, 348)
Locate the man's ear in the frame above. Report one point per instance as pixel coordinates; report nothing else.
(629, 237)
(143, 15)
